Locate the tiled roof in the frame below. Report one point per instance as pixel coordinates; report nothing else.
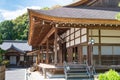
(92, 13)
(19, 45)
(14, 48)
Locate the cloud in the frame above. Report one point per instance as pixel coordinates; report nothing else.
(1, 17)
(8, 15)
(64, 2)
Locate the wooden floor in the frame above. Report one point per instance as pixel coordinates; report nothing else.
(59, 69)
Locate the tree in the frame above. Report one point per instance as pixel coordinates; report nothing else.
(6, 29)
(118, 15)
(16, 29)
(0, 48)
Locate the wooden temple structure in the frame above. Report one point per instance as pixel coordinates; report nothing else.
(82, 31)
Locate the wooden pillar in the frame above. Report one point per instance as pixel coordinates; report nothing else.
(60, 56)
(99, 48)
(41, 54)
(55, 46)
(47, 55)
(64, 52)
(70, 55)
(80, 55)
(38, 56)
(90, 54)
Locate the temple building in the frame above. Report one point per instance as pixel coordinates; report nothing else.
(16, 53)
(84, 31)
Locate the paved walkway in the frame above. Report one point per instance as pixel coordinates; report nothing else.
(37, 76)
(15, 74)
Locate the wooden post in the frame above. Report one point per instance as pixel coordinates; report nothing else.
(90, 54)
(42, 54)
(99, 48)
(47, 55)
(38, 56)
(80, 54)
(55, 46)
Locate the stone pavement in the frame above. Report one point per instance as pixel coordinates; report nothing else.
(37, 76)
(15, 74)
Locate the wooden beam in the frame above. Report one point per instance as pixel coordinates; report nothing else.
(48, 35)
(33, 52)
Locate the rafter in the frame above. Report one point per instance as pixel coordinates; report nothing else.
(52, 30)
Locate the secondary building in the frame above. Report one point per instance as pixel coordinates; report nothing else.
(16, 52)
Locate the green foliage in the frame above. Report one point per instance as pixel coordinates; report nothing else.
(5, 62)
(1, 53)
(1, 39)
(6, 29)
(110, 75)
(21, 27)
(45, 8)
(15, 29)
(118, 16)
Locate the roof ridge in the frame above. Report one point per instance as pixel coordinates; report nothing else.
(17, 49)
(20, 41)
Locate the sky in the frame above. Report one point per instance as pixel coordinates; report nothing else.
(10, 9)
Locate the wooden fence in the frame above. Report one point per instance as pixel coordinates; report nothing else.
(2, 72)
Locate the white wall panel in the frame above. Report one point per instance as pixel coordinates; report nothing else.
(77, 34)
(106, 50)
(72, 36)
(83, 31)
(110, 32)
(77, 41)
(84, 49)
(110, 40)
(67, 38)
(77, 29)
(72, 43)
(95, 50)
(72, 30)
(67, 44)
(67, 33)
(21, 58)
(84, 38)
(116, 50)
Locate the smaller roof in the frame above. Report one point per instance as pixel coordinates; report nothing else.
(18, 45)
(14, 48)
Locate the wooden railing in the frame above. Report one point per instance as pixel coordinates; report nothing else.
(2, 72)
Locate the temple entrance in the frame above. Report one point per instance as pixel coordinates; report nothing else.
(13, 60)
(75, 54)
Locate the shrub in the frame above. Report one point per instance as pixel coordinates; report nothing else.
(110, 75)
(5, 62)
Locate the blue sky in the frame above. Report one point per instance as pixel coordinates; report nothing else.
(10, 9)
